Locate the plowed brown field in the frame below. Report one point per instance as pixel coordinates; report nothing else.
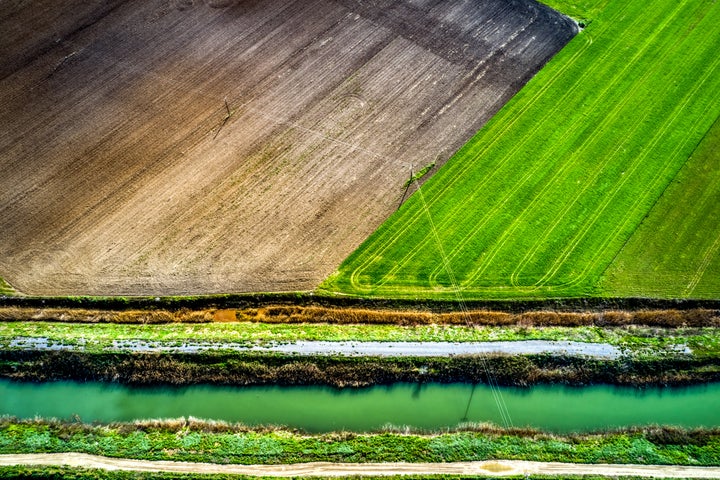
(170, 147)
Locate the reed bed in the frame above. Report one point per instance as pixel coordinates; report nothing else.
(669, 318)
(260, 369)
(198, 440)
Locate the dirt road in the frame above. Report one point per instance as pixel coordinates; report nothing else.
(497, 468)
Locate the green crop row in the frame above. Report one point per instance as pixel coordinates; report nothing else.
(543, 199)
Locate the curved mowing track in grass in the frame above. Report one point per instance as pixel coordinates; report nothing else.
(540, 202)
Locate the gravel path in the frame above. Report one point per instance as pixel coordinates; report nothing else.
(491, 468)
(356, 349)
(442, 349)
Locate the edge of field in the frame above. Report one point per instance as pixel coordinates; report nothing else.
(582, 11)
(308, 299)
(366, 271)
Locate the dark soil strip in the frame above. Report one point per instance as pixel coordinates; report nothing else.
(306, 299)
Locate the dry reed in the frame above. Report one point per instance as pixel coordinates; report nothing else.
(315, 314)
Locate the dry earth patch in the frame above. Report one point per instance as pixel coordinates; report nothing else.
(168, 147)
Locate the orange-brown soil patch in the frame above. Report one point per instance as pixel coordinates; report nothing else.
(180, 147)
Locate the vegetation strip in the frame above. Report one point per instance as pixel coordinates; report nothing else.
(22, 472)
(5, 288)
(218, 368)
(318, 300)
(191, 440)
(499, 468)
(290, 314)
(242, 336)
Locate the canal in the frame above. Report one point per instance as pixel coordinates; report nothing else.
(320, 409)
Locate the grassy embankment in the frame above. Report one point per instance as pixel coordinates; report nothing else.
(150, 369)
(320, 315)
(544, 198)
(71, 473)
(643, 332)
(190, 440)
(633, 340)
(22, 472)
(652, 341)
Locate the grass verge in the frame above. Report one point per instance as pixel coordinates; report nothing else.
(97, 338)
(218, 442)
(23, 472)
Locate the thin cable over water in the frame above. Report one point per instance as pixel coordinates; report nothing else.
(492, 381)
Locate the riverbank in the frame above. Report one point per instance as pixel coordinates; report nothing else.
(190, 440)
(242, 353)
(220, 368)
(351, 355)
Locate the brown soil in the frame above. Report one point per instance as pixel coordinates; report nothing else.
(320, 469)
(180, 146)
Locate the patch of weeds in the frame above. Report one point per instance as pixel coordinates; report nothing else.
(420, 174)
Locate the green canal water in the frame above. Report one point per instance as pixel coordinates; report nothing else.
(317, 409)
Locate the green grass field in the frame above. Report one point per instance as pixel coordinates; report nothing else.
(674, 252)
(577, 186)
